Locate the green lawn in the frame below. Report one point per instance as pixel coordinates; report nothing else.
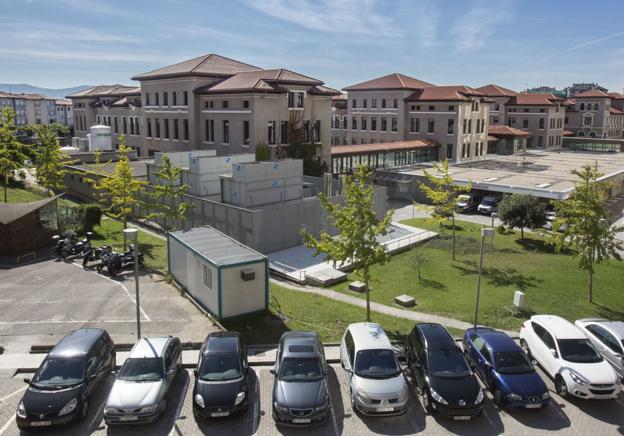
(20, 195)
(310, 312)
(552, 282)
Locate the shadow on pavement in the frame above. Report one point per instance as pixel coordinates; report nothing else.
(551, 418)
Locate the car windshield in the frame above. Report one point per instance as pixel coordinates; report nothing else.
(378, 364)
(447, 364)
(578, 351)
(141, 369)
(218, 367)
(59, 373)
(297, 369)
(512, 362)
(488, 202)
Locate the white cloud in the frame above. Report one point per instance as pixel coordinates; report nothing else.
(473, 29)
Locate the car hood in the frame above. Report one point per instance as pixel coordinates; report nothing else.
(385, 388)
(42, 401)
(596, 373)
(526, 385)
(133, 395)
(456, 390)
(300, 395)
(219, 393)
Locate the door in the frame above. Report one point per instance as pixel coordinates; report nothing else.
(607, 344)
(540, 344)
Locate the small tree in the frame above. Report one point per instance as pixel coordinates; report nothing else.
(95, 174)
(418, 260)
(358, 229)
(442, 191)
(121, 188)
(168, 191)
(49, 159)
(12, 152)
(263, 152)
(523, 211)
(584, 220)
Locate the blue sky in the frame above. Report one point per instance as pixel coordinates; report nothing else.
(514, 43)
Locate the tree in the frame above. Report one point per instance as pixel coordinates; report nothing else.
(583, 223)
(442, 191)
(358, 229)
(120, 188)
(168, 191)
(12, 152)
(95, 174)
(418, 260)
(523, 211)
(49, 159)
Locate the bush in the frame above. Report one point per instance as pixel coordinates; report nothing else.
(91, 215)
(263, 152)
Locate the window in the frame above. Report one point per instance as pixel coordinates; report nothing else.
(226, 132)
(431, 125)
(364, 103)
(306, 131)
(395, 103)
(451, 108)
(185, 98)
(344, 123)
(587, 121)
(157, 128)
(149, 127)
(353, 123)
(475, 106)
(317, 131)
(525, 123)
(582, 106)
(374, 103)
(157, 99)
(295, 99)
(540, 141)
(383, 103)
(246, 132)
(147, 103)
(284, 132)
(166, 124)
(271, 132)
(373, 124)
(395, 124)
(186, 130)
(354, 103)
(605, 337)
(414, 125)
(174, 98)
(384, 124)
(364, 122)
(595, 106)
(449, 151)
(165, 99)
(431, 108)
(207, 277)
(496, 106)
(211, 135)
(116, 125)
(451, 126)
(206, 130)
(245, 104)
(225, 104)
(176, 129)
(465, 126)
(541, 123)
(470, 126)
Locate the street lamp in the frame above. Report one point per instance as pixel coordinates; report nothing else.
(494, 215)
(132, 235)
(485, 233)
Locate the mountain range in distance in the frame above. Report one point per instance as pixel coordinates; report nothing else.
(24, 88)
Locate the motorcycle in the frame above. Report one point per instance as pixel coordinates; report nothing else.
(93, 254)
(70, 245)
(117, 262)
(105, 255)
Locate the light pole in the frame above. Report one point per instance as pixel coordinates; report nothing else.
(494, 215)
(132, 235)
(485, 232)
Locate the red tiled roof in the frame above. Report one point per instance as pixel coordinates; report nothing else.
(537, 99)
(262, 81)
(492, 90)
(340, 97)
(615, 111)
(391, 81)
(106, 90)
(491, 138)
(592, 93)
(506, 131)
(446, 93)
(324, 90)
(616, 95)
(568, 133)
(382, 147)
(62, 102)
(207, 65)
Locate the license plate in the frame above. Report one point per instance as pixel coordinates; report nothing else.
(461, 418)
(128, 418)
(40, 423)
(533, 406)
(219, 414)
(385, 409)
(301, 421)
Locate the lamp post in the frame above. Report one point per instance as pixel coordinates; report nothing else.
(485, 232)
(132, 236)
(494, 215)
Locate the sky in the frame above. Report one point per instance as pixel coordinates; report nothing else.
(513, 43)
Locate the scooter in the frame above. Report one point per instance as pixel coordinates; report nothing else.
(93, 254)
(117, 262)
(70, 246)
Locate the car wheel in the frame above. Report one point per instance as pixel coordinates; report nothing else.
(498, 397)
(426, 402)
(561, 387)
(525, 348)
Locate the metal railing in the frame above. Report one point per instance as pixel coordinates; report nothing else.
(292, 272)
(407, 241)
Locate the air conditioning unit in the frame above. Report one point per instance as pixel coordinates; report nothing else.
(248, 275)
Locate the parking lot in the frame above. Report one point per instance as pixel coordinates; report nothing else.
(43, 301)
(574, 417)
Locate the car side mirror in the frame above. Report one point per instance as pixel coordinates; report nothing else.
(553, 352)
(27, 380)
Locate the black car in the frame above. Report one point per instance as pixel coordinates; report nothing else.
(222, 376)
(60, 390)
(300, 393)
(447, 384)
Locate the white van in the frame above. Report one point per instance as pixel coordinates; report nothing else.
(378, 386)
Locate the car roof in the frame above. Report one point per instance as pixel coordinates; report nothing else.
(369, 336)
(496, 340)
(222, 342)
(560, 327)
(77, 343)
(436, 336)
(615, 327)
(149, 347)
(299, 344)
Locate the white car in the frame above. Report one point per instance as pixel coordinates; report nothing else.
(565, 353)
(608, 337)
(377, 383)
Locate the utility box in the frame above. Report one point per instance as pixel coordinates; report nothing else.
(518, 299)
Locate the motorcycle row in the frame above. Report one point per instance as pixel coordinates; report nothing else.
(68, 246)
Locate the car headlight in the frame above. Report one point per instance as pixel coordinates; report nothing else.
(363, 397)
(280, 408)
(513, 396)
(148, 409)
(239, 398)
(109, 411)
(21, 410)
(577, 378)
(199, 400)
(545, 396)
(69, 407)
(437, 396)
(479, 396)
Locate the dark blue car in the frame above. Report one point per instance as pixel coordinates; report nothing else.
(505, 369)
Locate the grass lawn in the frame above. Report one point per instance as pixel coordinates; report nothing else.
(110, 232)
(20, 195)
(310, 312)
(552, 282)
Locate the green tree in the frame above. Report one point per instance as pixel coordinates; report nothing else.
(442, 191)
(358, 229)
(12, 152)
(50, 161)
(95, 174)
(121, 188)
(584, 223)
(168, 194)
(523, 211)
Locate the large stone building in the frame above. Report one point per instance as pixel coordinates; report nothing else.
(596, 114)
(37, 109)
(210, 102)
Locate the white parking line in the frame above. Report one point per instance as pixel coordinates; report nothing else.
(6, 426)
(147, 318)
(16, 392)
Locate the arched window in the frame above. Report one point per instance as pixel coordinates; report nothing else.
(595, 106)
(581, 133)
(592, 134)
(582, 106)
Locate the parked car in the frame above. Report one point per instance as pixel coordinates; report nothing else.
(300, 392)
(443, 377)
(60, 390)
(222, 376)
(505, 369)
(565, 353)
(608, 338)
(467, 202)
(139, 394)
(488, 205)
(376, 382)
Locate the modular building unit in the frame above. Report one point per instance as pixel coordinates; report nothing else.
(204, 171)
(224, 276)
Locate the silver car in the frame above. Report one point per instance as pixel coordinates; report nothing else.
(140, 390)
(608, 337)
